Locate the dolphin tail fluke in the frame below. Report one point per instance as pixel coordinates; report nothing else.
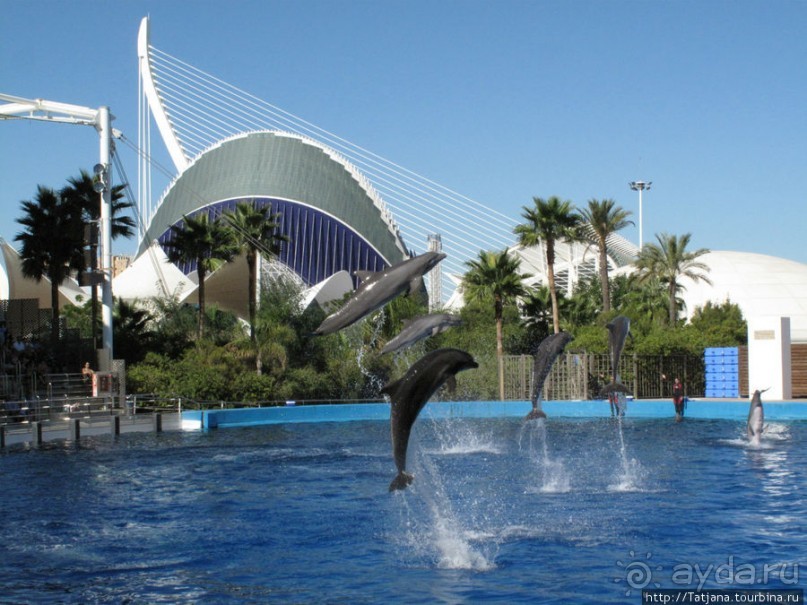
(535, 414)
(401, 481)
(614, 387)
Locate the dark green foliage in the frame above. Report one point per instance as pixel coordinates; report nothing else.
(133, 336)
(720, 325)
(175, 327)
(153, 375)
(589, 339)
(79, 317)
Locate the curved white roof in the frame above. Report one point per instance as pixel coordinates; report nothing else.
(14, 285)
(760, 285)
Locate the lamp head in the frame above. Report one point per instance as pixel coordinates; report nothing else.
(100, 180)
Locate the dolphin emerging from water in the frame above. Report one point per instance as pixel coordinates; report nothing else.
(409, 394)
(377, 289)
(419, 328)
(618, 332)
(756, 417)
(548, 351)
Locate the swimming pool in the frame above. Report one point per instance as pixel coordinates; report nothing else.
(579, 510)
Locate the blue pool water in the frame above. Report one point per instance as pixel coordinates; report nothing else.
(573, 511)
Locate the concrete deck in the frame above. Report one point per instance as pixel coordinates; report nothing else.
(21, 434)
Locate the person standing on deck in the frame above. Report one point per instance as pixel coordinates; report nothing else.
(678, 399)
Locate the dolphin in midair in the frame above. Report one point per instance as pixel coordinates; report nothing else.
(548, 351)
(618, 332)
(409, 394)
(756, 417)
(419, 328)
(377, 289)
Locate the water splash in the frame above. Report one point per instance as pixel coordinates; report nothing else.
(772, 433)
(458, 437)
(554, 478)
(377, 322)
(630, 472)
(437, 533)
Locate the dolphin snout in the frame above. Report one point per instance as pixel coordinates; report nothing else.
(435, 260)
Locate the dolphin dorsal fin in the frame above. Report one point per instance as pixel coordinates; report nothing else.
(415, 285)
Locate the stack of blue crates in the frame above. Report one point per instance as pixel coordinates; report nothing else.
(722, 371)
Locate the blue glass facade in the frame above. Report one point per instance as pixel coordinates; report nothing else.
(319, 244)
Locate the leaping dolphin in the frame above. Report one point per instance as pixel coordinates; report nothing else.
(377, 289)
(756, 417)
(548, 351)
(409, 394)
(419, 328)
(618, 332)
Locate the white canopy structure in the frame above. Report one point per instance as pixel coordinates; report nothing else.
(152, 275)
(14, 285)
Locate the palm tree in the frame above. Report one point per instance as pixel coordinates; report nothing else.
(80, 191)
(536, 309)
(47, 248)
(206, 243)
(602, 218)
(81, 194)
(668, 262)
(254, 231)
(548, 222)
(495, 274)
(646, 302)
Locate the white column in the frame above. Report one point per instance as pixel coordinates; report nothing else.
(769, 364)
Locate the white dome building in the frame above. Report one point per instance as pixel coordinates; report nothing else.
(760, 285)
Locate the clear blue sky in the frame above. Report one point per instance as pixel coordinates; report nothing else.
(501, 100)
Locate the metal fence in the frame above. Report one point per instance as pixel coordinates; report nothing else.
(62, 396)
(58, 397)
(580, 376)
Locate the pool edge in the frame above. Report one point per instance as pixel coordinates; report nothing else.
(347, 412)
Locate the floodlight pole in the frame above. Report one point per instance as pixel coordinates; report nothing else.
(50, 111)
(640, 186)
(105, 135)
